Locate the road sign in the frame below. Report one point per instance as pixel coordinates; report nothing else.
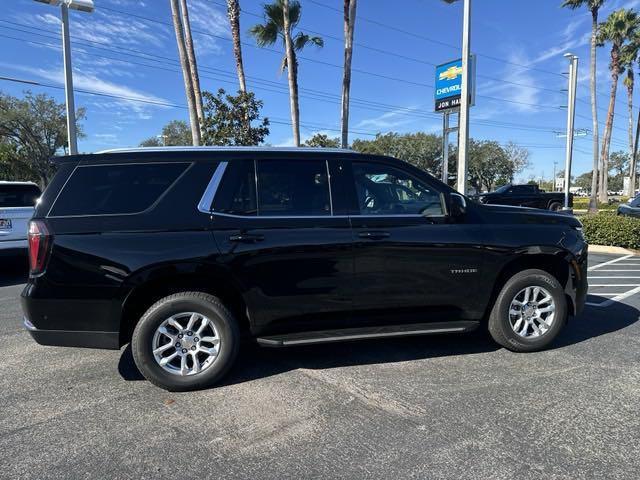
(449, 85)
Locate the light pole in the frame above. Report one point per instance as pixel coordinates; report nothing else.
(65, 5)
(463, 123)
(571, 115)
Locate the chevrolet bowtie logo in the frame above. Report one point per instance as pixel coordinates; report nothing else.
(451, 73)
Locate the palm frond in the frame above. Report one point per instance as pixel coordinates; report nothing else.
(265, 35)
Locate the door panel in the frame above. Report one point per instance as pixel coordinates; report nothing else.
(293, 259)
(296, 273)
(410, 267)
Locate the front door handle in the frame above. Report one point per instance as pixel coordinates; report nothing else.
(246, 238)
(374, 235)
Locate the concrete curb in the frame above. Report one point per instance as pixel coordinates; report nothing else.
(608, 249)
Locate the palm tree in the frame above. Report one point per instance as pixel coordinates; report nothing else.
(193, 64)
(629, 57)
(620, 26)
(186, 72)
(233, 12)
(349, 24)
(594, 7)
(281, 18)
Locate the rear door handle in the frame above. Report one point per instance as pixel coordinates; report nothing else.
(374, 235)
(246, 238)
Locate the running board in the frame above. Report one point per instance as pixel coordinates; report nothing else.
(346, 334)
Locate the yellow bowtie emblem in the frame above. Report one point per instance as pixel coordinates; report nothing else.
(451, 73)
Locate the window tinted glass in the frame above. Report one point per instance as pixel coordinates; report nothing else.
(293, 188)
(18, 195)
(523, 189)
(115, 189)
(237, 192)
(385, 190)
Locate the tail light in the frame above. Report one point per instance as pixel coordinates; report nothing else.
(39, 242)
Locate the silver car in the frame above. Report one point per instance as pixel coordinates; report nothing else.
(17, 200)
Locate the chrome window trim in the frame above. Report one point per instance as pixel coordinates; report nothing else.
(214, 184)
(205, 205)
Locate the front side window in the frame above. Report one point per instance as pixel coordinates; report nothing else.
(115, 189)
(293, 188)
(386, 190)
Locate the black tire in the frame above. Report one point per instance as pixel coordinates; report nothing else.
(199, 302)
(499, 323)
(555, 206)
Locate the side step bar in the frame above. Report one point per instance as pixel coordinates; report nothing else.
(347, 334)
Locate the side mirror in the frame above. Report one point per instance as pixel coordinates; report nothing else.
(457, 204)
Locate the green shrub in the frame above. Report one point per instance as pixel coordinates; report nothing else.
(582, 203)
(613, 230)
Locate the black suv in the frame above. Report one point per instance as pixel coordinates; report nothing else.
(183, 252)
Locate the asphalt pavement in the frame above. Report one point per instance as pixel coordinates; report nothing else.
(454, 407)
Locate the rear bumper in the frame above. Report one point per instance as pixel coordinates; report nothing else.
(73, 338)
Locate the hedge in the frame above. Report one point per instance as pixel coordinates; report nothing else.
(609, 229)
(582, 203)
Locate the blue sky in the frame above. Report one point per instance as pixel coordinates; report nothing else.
(117, 51)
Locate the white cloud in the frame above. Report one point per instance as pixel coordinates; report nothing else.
(388, 120)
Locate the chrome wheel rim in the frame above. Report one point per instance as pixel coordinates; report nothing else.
(186, 344)
(532, 312)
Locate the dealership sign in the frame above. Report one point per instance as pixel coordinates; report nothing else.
(449, 85)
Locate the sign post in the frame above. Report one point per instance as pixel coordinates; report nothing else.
(448, 95)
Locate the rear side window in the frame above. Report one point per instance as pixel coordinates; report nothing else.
(293, 188)
(115, 189)
(18, 195)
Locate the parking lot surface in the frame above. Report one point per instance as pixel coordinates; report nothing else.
(426, 407)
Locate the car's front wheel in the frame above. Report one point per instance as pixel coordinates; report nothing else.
(185, 341)
(529, 312)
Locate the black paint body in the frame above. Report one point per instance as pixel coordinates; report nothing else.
(303, 274)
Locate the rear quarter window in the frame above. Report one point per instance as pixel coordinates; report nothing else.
(18, 195)
(115, 189)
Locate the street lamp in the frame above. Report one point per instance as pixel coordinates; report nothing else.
(65, 5)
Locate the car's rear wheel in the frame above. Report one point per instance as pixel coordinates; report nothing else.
(185, 341)
(529, 312)
(555, 206)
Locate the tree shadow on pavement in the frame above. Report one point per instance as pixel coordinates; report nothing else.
(256, 362)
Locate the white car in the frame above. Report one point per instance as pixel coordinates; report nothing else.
(17, 202)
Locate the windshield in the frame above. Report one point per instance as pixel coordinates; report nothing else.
(17, 195)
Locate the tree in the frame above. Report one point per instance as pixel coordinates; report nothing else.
(620, 26)
(186, 72)
(228, 119)
(594, 7)
(488, 164)
(320, 140)
(281, 18)
(349, 26)
(233, 12)
(518, 156)
(191, 57)
(32, 130)
(174, 133)
(584, 181)
(424, 150)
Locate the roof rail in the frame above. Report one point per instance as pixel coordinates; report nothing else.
(226, 149)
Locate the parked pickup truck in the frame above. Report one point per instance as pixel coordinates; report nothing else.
(525, 196)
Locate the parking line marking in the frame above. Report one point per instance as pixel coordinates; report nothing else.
(613, 277)
(615, 285)
(619, 270)
(611, 301)
(615, 260)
